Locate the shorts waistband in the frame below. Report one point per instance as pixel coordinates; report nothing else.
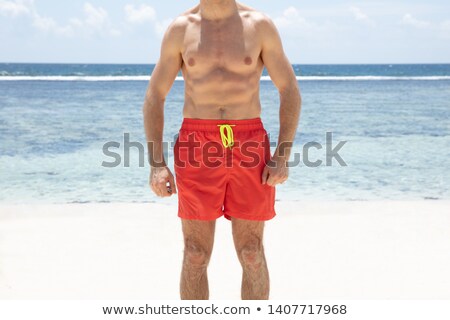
(213, 124)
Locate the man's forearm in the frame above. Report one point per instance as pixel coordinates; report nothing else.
(290, 106)
(153, 111)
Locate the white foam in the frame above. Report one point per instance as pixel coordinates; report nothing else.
(264, 78)
(75, 78)
(371, 78)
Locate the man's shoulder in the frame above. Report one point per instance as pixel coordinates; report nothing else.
(191, 15)
(259, 19)
(179, 24)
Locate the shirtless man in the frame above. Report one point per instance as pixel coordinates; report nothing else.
(221, 47)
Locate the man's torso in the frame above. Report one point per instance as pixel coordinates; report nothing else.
(222, 66)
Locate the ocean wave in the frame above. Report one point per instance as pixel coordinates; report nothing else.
(74, 78)
(364, 78)
(263, 78)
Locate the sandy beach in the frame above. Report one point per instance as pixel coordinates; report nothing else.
(317, 250)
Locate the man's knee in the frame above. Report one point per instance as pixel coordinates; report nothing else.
(196, 254)
(251, 253)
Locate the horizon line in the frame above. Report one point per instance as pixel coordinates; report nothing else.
(294, 63)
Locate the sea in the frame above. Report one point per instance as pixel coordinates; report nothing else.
(367, 132)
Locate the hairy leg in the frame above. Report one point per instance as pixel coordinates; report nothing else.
(248, 240)
(198, 244)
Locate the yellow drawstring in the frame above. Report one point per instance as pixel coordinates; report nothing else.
(226, 133)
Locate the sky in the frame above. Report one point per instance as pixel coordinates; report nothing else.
(313, 32)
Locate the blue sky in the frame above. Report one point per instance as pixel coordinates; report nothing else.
(321, 31)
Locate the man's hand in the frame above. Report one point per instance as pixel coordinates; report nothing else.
(276, 171)
(162, 182)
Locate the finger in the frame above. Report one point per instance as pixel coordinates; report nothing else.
(167, 189)
(160, 189)
(282, 180)
(277, 179)
(271, 181)
(153, 187)
(156, 190)
(265, 175)
(173, 186)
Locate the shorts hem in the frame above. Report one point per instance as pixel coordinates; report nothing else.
(202, 218)
(251, 218)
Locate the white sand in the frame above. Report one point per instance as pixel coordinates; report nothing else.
(347, 250)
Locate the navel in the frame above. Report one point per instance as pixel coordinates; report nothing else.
(191, 62)
(248, 61)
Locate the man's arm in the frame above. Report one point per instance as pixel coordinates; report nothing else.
(161, 81)
(283, 77)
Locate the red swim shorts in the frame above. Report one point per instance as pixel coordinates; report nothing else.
(218, 168)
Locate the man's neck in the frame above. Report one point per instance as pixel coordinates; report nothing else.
(218, 9)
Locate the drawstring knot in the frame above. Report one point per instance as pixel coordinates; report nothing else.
(226, 133)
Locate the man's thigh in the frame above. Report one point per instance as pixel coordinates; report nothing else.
(199, 234)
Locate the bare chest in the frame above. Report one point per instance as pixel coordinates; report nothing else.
(234, 48)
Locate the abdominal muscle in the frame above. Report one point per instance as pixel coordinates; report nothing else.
(222, 95)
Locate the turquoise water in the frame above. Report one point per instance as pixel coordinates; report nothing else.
(55, 120)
